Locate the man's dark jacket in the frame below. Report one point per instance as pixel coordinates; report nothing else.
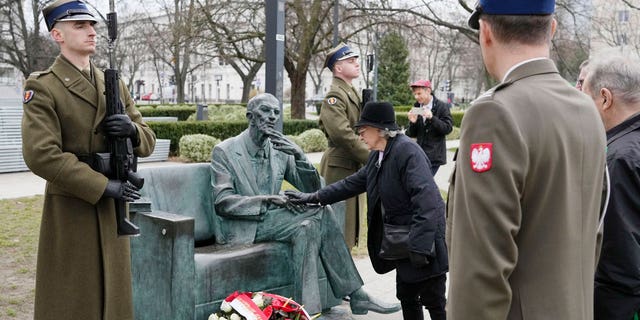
(431, 134)
(403, 184)
(619, 265)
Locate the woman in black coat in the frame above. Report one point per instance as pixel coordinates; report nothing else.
(401, 193)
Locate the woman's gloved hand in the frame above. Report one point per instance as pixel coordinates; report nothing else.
(297, 197)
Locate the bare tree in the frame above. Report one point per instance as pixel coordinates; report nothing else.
(616, 26)
(22, 45)
(172, 38)
(233, 32)
(129, 49)
(308, 26)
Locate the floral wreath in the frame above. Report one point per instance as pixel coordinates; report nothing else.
(260, 306)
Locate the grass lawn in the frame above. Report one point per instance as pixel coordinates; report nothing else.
(19, 230)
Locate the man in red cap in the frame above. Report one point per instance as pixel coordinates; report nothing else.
(430, 122)
(524, 200)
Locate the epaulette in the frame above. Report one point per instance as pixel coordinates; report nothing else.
(37, 74)
(491, 92)
(487, 94)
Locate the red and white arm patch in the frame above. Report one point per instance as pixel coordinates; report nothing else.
(481, 156)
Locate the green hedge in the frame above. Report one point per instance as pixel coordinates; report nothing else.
(182, 112)
(401, 116)
(457, 118)
(402, 109)
(221, 130)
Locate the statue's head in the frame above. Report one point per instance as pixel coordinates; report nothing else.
(263, 111)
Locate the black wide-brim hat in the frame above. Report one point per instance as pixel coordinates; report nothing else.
(378, 114)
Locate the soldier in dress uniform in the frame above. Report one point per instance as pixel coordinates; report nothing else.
(524, 199)
(340, 111)
(83, 268)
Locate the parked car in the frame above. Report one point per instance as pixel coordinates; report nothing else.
(149, 96)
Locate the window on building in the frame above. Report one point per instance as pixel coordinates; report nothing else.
(6, 75)
(622, 39)
(623, 16)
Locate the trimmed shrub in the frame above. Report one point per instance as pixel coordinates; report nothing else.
(313, 140)
(197, 147)
(454, 134)
(296, 140)
(457, 118)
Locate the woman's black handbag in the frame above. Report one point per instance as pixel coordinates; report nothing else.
(395, 242)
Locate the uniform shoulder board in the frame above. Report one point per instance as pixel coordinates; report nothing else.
(501, 86)
(487, 94)
(37, 74)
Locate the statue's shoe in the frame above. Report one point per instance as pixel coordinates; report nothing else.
(362, 303)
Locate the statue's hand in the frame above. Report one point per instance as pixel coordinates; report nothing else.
(277, 200)
(281, 143)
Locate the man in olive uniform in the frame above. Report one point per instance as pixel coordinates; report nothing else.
(83, 269)
(340, 111)
(524, 199)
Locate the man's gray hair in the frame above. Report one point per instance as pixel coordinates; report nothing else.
(619, 74)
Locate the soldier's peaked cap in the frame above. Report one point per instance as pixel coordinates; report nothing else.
(66, 10)
(510, 7)
(340, 52)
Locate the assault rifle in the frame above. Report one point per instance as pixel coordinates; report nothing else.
(367, 94)
(123, 162)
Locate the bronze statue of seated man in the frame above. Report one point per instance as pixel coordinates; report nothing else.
(248, 171)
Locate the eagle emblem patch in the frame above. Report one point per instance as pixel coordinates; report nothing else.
(27, 96)
(332, 100)
(481, 156)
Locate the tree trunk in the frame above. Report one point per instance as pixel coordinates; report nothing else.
(298, 86)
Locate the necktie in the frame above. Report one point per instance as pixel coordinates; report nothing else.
(87, 73)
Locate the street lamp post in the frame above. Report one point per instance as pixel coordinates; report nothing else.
(274, 52)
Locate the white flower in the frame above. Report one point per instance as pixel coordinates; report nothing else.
(258, 300)
(213, 316)
(222, 318)
(226, 306)
(234, 316)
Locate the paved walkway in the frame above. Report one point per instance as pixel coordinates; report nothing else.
(22, 184)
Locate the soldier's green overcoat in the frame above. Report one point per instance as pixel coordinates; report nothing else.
(346, 154)
(83, 269)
